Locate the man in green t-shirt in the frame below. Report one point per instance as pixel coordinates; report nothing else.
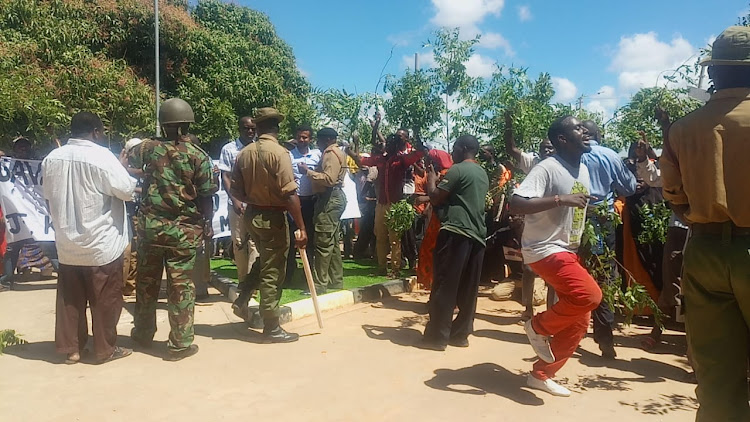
(459, 200)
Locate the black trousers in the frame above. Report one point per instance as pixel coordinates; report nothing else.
(365, 243)
(603, 316)
(307, 205)
(457, 267)
(409, 246)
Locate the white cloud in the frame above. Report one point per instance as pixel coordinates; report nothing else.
(465, 14)
(604, 101)
(641, 58)
(494, 40)
(565, 90)
(479, 66)
(524, 13)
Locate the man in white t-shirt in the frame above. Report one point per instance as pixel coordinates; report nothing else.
(554, 197)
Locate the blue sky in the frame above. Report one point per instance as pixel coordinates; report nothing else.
(604, 50)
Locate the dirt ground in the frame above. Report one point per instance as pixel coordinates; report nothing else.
(363, 366)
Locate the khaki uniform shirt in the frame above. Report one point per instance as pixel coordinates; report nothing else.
(705, 161)
(263, 174)
(332, 170)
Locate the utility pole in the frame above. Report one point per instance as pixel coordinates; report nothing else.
(416, 62)
(580, 103)
(156, 61)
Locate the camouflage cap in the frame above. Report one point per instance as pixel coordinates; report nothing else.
(731, 48)
(265, 113)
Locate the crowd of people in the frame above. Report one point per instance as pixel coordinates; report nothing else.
(289, 196)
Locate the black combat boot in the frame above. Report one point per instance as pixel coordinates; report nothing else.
(273, 333)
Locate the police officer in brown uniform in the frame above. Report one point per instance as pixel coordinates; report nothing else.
(327, 181)
(263, 179)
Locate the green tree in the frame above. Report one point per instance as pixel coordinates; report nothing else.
(344, 111)
(61, 56)
(638, 115)
(415, 101)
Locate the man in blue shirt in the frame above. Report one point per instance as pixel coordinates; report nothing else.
(609, 177)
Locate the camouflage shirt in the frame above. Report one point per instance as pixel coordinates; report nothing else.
(175, 176)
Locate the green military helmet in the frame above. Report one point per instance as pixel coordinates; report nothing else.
(174, 111)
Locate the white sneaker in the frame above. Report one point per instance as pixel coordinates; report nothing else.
(547, 385)
(539, 342)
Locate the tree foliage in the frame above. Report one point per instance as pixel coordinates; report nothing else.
(475, 105)
(415, 101)
(58, 57)
(638, 115)
(345, 111)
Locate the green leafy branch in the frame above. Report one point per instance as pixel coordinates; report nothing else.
(400, 216)
(655, 223)
(598, 258)
(10, 338)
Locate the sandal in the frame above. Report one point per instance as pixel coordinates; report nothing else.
(120, 352)
(72, 358)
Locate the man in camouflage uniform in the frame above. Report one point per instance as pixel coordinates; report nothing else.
(327, 182)
(263, 179)
(175, 215)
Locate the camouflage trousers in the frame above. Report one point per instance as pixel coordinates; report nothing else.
(179, 263)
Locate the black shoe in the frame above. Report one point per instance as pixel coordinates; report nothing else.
(146, 344)
(459, 342)
(278, 335)
(182, 354)
(608, 351)
(242, 312)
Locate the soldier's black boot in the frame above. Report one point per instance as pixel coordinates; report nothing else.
(273, 333)
(249, 285)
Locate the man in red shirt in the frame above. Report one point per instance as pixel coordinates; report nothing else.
(392, 167)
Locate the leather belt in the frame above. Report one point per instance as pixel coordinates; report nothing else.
(728, 228)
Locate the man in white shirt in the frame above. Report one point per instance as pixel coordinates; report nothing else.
(554, 197)
(245, 252)
(310, 157)
(86, 187)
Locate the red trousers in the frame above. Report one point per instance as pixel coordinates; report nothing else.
(568, 319)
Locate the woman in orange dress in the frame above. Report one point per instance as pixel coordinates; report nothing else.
(441, 161)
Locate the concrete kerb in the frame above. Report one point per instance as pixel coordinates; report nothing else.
(302, 308)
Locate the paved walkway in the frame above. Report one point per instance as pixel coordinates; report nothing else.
(362, 367)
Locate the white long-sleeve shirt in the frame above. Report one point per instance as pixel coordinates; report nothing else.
(86, 187)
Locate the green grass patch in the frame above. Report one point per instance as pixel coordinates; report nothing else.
(358, 273)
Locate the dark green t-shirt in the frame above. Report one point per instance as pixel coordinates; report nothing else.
(463, 213)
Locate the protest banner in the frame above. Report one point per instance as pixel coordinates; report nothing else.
(25, 209)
